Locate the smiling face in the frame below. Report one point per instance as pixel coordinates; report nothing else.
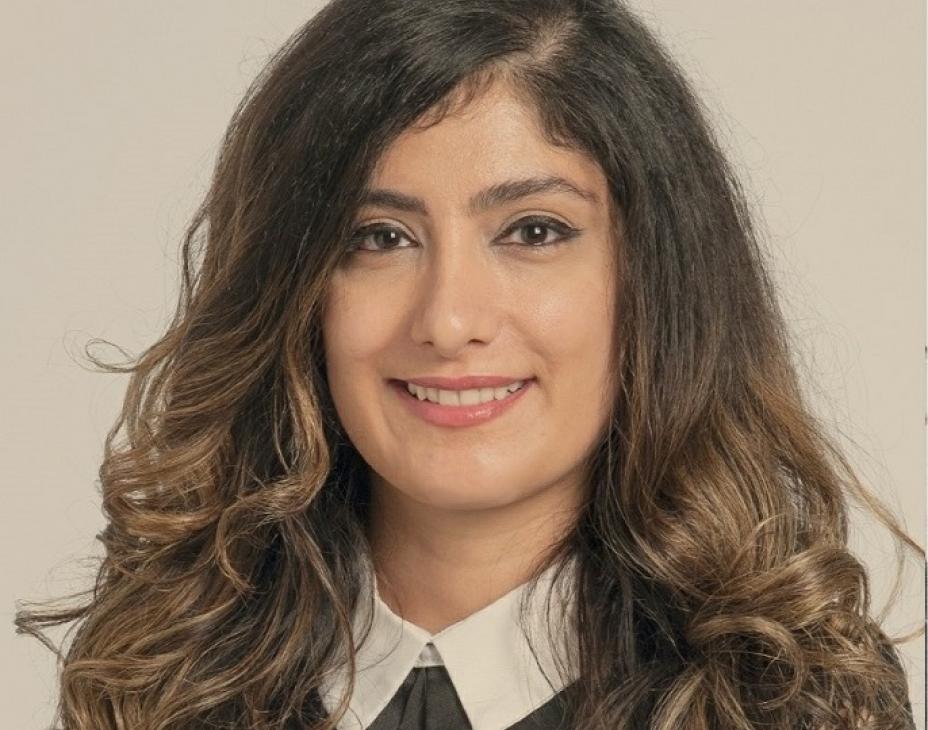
(447, 280)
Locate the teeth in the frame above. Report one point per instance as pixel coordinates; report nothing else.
(470, 397)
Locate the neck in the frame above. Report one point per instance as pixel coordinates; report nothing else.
(437, 566)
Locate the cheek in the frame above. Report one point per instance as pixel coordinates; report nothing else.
(575, 320)
(578, 335)
(347, 344)
(356, 332)
(355, 326)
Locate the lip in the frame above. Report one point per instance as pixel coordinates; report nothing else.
(459, 416)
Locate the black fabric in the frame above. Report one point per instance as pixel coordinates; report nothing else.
(427, 700)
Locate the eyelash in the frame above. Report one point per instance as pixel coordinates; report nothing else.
(564, 231)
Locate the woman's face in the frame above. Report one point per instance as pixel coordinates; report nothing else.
(455, 276)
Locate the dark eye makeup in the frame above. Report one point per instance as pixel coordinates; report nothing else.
(391, 235)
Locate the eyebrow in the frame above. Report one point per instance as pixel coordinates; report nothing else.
(494, 195)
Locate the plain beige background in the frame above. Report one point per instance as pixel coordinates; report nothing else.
(111, 115)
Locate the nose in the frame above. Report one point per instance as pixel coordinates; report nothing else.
(458, 298)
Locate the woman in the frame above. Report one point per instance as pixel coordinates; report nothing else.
(514, 208)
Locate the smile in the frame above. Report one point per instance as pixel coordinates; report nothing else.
(468, 397)
(457, 408)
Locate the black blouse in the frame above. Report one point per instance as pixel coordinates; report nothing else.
(427, 701)
(480, 673)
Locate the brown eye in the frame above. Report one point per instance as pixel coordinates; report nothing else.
(380, 238)
(534, 231)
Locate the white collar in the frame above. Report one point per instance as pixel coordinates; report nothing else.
(486, 655)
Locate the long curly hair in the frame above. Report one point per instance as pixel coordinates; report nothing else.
(715, 587)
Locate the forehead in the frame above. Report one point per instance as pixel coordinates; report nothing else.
(494, 136)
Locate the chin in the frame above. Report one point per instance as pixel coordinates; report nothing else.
(466, 498)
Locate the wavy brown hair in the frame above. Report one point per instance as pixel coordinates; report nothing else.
(715, 586)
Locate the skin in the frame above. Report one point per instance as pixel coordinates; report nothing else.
(461, 516)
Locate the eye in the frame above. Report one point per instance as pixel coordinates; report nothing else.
(377, 234)
(380, 238)
(535, 230)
